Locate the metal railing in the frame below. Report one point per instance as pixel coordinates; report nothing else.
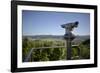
(30, 52)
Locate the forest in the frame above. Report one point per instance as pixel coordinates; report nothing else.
(82, 51)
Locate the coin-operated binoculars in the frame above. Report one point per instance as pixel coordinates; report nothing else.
(69, 37)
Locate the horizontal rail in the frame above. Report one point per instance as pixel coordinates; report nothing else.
(50, 47)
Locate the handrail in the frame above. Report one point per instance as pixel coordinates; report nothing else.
(49, 47)
(30, 52)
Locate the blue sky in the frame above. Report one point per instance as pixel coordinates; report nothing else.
(49, 22)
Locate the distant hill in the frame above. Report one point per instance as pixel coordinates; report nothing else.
(44, 37)
(78, 38)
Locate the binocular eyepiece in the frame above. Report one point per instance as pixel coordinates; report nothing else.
(70, 25)
(76, 23)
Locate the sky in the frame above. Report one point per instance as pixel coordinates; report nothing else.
(49, 22)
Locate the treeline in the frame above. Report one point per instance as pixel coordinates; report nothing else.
(85, 49)
(52, 54)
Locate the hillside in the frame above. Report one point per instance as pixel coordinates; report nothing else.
(78, 38)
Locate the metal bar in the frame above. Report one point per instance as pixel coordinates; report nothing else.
(50, 47)
(28, 56)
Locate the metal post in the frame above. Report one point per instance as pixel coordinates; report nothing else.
(69, 37)
(69, 49)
